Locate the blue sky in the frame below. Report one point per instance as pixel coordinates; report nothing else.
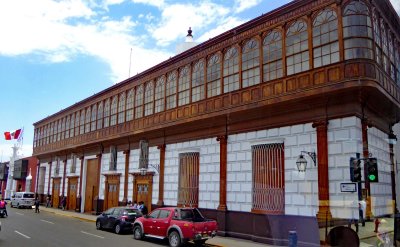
(54, 53)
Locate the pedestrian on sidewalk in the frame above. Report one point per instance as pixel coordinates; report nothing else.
(361, 211)
(48, 201)
(63, 203)
(37, 203)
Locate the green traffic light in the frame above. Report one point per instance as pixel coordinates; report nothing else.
(371, 177)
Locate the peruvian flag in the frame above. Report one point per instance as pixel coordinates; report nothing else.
(12, 135)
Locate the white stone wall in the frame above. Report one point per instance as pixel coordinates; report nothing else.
(301, 189)
(133, 167)
(344, 141)
(381, 193)
(46, 178)
(154, 158)
(105, 169)
(209, 171)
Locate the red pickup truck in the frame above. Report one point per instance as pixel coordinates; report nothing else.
(179, 225)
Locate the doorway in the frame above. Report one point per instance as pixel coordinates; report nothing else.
(56, 192)
(112, 190)
(72, 187)
(92, 186)
(143, 188)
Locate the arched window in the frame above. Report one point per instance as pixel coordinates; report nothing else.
(397, 59)
(87, 120)
(160, 94)
(149, 99)
(251, 63)
(272, 56)
(385, 46)
(58, 129)
(231, 70)
(53, 132)
(184, 86)
(82, 122)
(77, 117)
(198, 81)
(325, 38)
(214, 76)
(377, 38)
(72, 128)
(392, 59)
(100, 116)
(357, 31)
(114, 110)
(171, 90)
(93, 118)
(297, 55)
(129, 106)
(67, 126)
(107, 113)
(121, 108)
(139, 102)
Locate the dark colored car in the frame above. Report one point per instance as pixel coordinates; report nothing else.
(118, 219)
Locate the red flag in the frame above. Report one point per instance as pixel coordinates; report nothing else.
(16, 134)
(13, 135)
(7, 135)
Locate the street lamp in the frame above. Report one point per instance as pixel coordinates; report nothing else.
(302, 162)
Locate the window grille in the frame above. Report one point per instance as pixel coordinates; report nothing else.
(171, 91)
(114, 110)
(198, 81)
(251, 63)
(139, 102)
(129, 106)
(160, 94)
(121, 108)
(297, 54)
(183, 86)
(231, 70)
(272, 56)
(149, 99)
(113, 158)
(268, 178)
(188, 191)
(214, 76)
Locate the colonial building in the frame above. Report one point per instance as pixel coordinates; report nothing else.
(222, 125)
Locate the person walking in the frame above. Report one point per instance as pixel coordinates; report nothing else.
(37, 203)
(63, 203)
(143, 208)
(48, 201)
(3, 206)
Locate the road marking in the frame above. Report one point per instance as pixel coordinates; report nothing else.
(22, 234)
(48, 221)
(92, 234)
(19, 213)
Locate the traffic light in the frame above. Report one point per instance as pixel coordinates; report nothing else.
(355, 170)
(372, 170)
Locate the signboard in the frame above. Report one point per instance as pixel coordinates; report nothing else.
(348, 187)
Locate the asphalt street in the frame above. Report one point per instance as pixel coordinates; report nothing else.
(25, 228)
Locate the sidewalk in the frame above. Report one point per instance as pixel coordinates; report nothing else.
(216, 241)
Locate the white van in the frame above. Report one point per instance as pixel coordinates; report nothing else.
(23, 199)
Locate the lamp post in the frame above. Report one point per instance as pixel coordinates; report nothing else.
(302, 162)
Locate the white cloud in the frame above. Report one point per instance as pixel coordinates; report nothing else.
(157, 3)
(225, 25)
(42, 27)
(174, 26)
(241, 5)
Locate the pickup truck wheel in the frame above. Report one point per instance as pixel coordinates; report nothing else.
(174, 239)
(137, 232)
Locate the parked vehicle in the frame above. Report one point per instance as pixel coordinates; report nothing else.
(178, 225)
(118, 219)
(23, 199)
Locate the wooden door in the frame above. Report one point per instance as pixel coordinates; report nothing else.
(143, 188)
(72, 188)
(112, 195)
(56, 192)
(92, 186)
(143, 193)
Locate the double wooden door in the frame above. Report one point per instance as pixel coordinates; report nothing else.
(72, 192)
(92, 184)
(56, 192)
(143, 187)
(112, 190)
